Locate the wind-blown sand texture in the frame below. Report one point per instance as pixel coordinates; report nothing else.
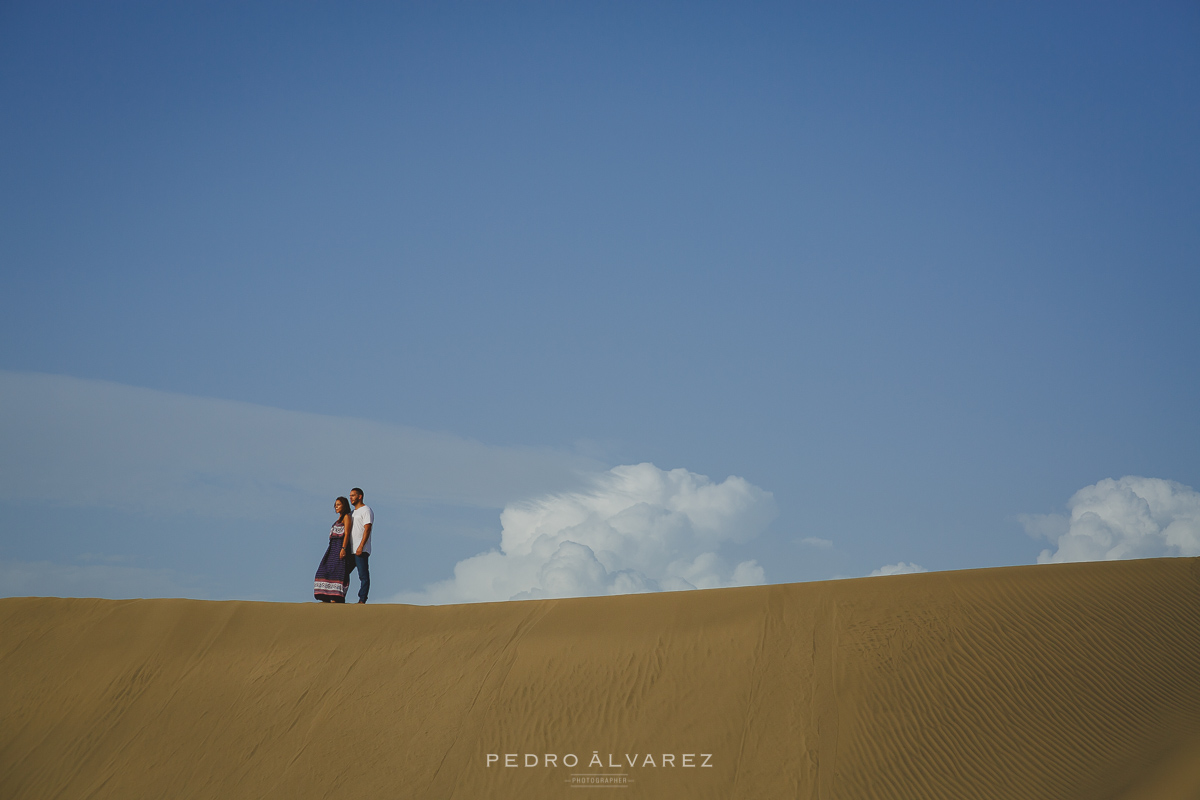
(1065, 681)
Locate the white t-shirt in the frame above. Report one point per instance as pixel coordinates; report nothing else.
(362, 517)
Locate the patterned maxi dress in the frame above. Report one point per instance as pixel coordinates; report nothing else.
(333, 573)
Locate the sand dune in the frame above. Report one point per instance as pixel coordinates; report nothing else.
(1065, 681)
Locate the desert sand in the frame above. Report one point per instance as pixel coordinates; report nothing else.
(1064, 681)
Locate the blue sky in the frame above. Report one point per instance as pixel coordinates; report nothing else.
(916, 272)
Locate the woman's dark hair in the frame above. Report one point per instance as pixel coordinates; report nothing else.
(346, 507)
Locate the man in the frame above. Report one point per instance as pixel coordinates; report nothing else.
(360, 540)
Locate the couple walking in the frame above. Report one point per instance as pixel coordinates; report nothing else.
(349, 549)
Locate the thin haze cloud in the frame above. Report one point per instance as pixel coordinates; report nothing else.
(638, 528)
(112, 581)
(94, 443)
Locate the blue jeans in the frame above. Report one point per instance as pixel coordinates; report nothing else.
(364, 575)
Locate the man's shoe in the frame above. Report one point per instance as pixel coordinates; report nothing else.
(361, 602)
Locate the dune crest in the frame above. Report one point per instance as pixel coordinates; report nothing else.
(1063, 681)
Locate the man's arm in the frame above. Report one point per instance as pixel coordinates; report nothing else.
(366, 536)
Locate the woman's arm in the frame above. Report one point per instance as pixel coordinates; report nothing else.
(347, 524)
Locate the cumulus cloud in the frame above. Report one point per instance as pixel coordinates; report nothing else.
(899, 568)
(636, 528)
(1133, 517)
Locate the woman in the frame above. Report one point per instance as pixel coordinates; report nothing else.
(333, 573)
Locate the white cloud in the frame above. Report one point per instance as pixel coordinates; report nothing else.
(814, 541)
(637, 528)
(1133, 517)
(94, 443)
(899, 568)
